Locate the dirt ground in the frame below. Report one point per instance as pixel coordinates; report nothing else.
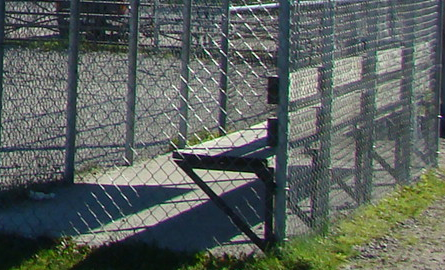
(418, 243)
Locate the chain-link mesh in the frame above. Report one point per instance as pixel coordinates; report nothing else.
(168, 114)
(362, 80)
(33, 123)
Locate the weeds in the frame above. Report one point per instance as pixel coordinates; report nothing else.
(198, 137)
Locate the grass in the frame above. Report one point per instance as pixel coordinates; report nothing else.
(43, 253)
(327, 251)
(48, 45)
(198, 137)
(61, 45)
(203, 136)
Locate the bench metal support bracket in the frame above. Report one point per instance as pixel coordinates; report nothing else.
(189, 162)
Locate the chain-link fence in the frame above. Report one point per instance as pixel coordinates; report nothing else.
(207, 124)
(362, 103)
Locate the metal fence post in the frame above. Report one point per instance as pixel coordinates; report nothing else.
(156, 23)
(322, 175)
(224, 54)
(368, 106)
(71, 109)
(2, 54)
(132, 73)
(283, 119)
(368, 110)
(430, 121)
(407, 93)
(440, 75)
(185, 72)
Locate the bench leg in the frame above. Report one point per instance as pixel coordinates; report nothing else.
(267, 175)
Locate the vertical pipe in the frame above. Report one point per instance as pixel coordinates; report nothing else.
(283, 118)
(156, 25)
(321, 163)
(407, 91)
(391, 5)
(267, 176)
(71, 109)
(440, 85)
(324, 120)
(426, 109)
(131, 85)
(368, 102)
(442, 72)
(359, 153)
(369, 112)
(2, 55)
(223, 80)
(185, 73)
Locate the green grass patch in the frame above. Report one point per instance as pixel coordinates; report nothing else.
(202, 136)
(134, 255)
(321, 251)
(49, 45)
(62, 45)
(42, 253)
(42, 45)
(197, 137)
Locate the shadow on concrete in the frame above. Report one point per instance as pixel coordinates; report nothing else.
(83, 207)
(206, 226)
(170, 244)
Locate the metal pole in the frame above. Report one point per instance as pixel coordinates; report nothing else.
(71, 109)
(224, 55)
(367, 143)
(2, 54)
(283, 119)
(368, 104)
(440, 91)
(185, 61)
(156, 25)
(324, 121)
(407, 91)
(131, 93)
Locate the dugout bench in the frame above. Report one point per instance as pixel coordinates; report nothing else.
(248, 150)
(243, 151)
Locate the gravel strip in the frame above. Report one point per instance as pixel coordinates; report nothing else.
(418, 243)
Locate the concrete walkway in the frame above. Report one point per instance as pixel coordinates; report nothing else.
(152, 201)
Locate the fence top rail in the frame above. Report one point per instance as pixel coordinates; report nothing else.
(301, 3)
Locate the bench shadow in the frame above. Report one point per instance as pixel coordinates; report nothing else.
(206, 226)
(172, 243)
(86, 208)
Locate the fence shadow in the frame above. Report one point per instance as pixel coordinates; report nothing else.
(83, 207)
(197, 229)
(206, 226)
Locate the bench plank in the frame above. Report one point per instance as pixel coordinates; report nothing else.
(250, 143)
